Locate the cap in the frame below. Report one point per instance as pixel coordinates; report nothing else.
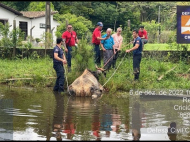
(100, 24)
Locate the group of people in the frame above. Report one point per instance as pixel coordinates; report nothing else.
(110, 45)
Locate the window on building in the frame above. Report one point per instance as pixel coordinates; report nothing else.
(24, 28)
(42, 25)
(3, 21)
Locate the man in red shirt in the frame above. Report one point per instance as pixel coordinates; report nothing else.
(70, 39)
(143, 35)
(96, 37)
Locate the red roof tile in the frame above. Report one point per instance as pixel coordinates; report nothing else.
(35, 14)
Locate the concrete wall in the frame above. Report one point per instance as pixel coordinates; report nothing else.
(38, 32)
(158, 55)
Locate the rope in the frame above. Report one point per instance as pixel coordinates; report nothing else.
(112, 57)
(67, 82)
(103, 66)
(115, 70)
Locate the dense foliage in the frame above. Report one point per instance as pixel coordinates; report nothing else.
(111, 13)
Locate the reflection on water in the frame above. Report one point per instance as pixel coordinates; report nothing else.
(44, 115)
(6, 120)
(41, 114)
(159, 118)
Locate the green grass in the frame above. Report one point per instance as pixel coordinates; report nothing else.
(150, 46)
(42, 69)
(161, 47)
(39, 70)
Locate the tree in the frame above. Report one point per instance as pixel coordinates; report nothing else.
(17, 5)
(78, 8)
(80, 24)
(104, 12)
(39, 6)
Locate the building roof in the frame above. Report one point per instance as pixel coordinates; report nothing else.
(36, 14)
(28, 14)
(10, 9)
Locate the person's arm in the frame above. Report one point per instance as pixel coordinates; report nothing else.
(143, 37)
(145, 34)
(120, 44)
(113, 45)
(64, 45)
(113, 35)
(102, 45)
(99, 37)
(59, 59)
(134, 48)
(139, 33)
(64, 42)
(64, 58)
(76, 40)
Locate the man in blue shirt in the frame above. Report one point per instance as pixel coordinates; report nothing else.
(58, 61)
(107, 47)
(137, 54)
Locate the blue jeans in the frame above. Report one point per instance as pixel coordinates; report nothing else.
(97, 54)
(69, 56)
(60, 77)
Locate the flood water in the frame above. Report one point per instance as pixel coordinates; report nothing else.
(39, 114)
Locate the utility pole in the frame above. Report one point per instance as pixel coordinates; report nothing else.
(159, 25)
(116, 17)
(128, 29)
(48, 25)
(48, 17)
(129, 24)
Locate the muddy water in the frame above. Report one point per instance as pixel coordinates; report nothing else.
(39, 114)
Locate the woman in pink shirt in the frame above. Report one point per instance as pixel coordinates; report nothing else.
(118, 39)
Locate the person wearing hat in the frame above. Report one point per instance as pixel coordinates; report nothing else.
(96, 38)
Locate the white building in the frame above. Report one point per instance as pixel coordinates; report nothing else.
(25, 20)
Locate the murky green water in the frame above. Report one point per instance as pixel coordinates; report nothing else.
(43, 115)
(39, 114)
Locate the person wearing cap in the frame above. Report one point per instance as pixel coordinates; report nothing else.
(70, 39)
(96, 38)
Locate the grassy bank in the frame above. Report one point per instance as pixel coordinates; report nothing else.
(165, 46)
(153, 46)
(39, 72)
(42, 74)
